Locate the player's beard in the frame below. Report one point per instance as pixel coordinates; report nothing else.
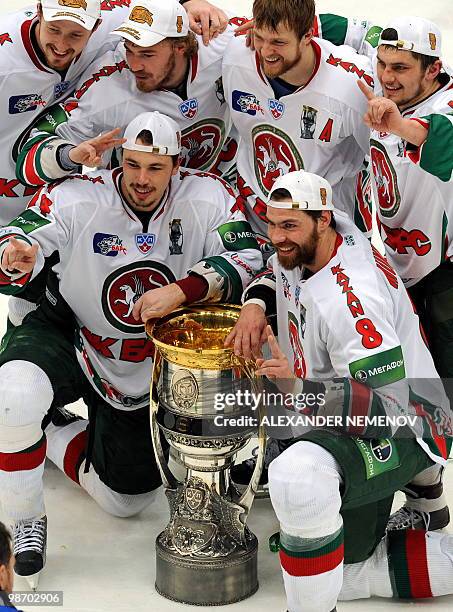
(160, 82)
(302, 255)
(281, 67)
(54, 62)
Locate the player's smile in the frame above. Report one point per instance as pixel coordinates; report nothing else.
(402, 77)
(59, 55)
(143, 193)
(61, 41)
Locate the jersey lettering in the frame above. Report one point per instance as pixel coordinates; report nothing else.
(105, 71)
(326, 134)
(351, 67)
(5, 38)
(399, 240)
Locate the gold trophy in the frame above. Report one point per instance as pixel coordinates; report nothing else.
(206, 555)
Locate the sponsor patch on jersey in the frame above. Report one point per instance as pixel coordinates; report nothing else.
(378, 370)
(125, 286)
(145, 242)
(379, 456)
(108, 244)
(276, 107)
(27, 102)
(237, 236)
(29, 221)
(176, 235)
(189, 108)
(60, 89)
(244, 102)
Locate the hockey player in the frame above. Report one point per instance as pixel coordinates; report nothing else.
(160, 66)
(418, 244)
(412, 161)
(42, 57)
(294, 105)
(344, 314)
(134, 230)
(412, 164)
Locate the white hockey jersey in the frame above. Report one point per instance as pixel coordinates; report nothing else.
(318, 128)
(107, 260)
(412, 185)
(354, 320)
(414, 190)
(107, 97)
(28, 88)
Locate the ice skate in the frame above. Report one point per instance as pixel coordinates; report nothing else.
(425, 508)
(30, 540)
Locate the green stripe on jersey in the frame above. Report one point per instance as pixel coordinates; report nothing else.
(437, 151)
(333, 28)
(237, 236)
(232, 287)
(29, 221)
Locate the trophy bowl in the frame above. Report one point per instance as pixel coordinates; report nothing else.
(206, 555)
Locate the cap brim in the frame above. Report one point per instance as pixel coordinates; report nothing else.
(138, 36)
(86, 21)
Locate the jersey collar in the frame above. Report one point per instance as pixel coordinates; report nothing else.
(26, 30)
(117, 175)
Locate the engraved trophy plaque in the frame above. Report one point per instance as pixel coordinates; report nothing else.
(206, 555)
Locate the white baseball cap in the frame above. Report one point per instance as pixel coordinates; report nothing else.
(151, 21)
(308, 192)
(83, 12)
(165, 131)
(415, 34)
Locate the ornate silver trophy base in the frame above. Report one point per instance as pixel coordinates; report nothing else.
(208, 583)
(206, 555)
(198, 563)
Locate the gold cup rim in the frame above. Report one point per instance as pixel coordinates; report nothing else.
(152, 327)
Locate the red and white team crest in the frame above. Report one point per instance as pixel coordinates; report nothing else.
(385, 176)
(275, 155)
(299, 365)
(125, 286)
(201, 144)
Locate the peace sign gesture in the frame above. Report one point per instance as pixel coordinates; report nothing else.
(89, 153)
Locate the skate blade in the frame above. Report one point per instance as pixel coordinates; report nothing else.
(33, 580)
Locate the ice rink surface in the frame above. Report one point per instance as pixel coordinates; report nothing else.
(106, 564)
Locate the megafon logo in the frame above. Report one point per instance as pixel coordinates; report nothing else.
(388, 367)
